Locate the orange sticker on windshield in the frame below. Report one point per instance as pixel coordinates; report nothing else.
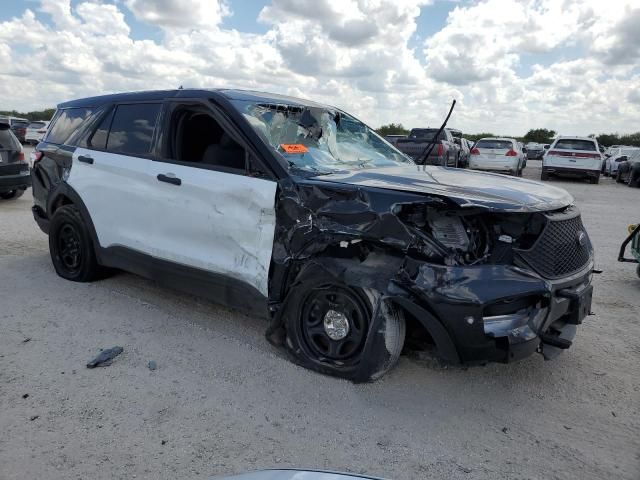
(293, 148)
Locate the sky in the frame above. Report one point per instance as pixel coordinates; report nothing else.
(568, 65)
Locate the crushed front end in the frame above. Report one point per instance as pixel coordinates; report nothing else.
(504, 285)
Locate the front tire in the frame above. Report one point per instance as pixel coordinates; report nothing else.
(344, 331)
(71, 247)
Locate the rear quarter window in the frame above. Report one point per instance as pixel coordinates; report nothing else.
(65, 123)
(568, 144)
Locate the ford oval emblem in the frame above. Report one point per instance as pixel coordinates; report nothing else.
(581, 238)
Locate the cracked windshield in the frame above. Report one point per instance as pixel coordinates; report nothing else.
(317, 139)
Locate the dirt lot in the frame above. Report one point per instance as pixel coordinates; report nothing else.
(222, 400)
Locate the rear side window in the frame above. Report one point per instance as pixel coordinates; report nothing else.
(569, 144)
(65, 123)
(494, 144)
(7, 140)
(37, 125)
(132, 128)
(424, 134)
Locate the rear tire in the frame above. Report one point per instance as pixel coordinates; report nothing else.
(12, 195)
(544, 176)
(594, 180)
(71, 247)
(618, 177)
(638, 271)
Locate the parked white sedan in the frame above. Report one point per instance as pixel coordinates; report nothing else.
(35, 131)
(498, 155)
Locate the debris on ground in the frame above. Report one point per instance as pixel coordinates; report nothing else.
(505, 429)
(34, 417)
(163, 442)
(26, 395)
(105, 357)
(26, 340)
(152, 365)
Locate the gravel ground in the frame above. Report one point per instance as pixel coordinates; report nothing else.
(222, 400)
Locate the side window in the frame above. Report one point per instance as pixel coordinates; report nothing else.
(132, 128)
(98, 139)
(65, 123)
(195, 137)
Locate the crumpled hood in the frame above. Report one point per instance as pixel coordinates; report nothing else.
(465, 187)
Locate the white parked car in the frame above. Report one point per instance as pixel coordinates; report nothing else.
(573, 157)
(498, 155)
(35, 131)
(618, 155)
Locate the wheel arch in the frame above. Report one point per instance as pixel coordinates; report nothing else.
(64, 194)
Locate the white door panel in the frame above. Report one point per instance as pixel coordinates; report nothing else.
(114, 189)
(215, 221)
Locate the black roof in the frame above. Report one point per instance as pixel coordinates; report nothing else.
(188, 93)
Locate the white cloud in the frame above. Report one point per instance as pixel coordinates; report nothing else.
(179, 13)
(355, 54)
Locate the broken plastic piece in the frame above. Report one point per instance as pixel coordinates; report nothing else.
(293, 148)
(152, 365)
(105, 357)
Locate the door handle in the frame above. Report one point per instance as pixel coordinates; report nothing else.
(166, 178)
(84, 159)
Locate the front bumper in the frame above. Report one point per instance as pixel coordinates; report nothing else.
(501, 313)
(20, 181)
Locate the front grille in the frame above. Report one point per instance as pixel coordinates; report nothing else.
(562, 248)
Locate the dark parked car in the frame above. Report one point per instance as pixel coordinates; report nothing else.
(19, 129)
(299, 212)
(14, 170)
(629, 169)
(445, 152)
(392, 139)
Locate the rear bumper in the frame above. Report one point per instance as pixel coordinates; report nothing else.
(21, 181)
(571, 172)
(41, 218)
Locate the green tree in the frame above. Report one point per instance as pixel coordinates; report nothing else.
(45, 114)
(539, 135)
(392, 129)
(474, 137)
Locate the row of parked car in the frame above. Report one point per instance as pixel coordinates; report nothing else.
(26, 131)
(447, 147)
(568, 156)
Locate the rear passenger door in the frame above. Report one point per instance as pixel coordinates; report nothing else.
(111, 173)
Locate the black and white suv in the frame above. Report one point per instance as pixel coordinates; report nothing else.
(301, 213)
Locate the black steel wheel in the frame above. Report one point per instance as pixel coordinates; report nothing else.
(342, 331)
(71, 246)
(334, 324)
(68, 240)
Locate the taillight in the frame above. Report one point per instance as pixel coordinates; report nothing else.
(475, 151)
(21, 156)
(511, 153)
(440, 150)
(37, 156)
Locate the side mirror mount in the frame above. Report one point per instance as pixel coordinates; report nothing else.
(622, 158)
(524, 149)
(546, 147)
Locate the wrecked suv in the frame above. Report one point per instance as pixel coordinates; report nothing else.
(301, 213)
